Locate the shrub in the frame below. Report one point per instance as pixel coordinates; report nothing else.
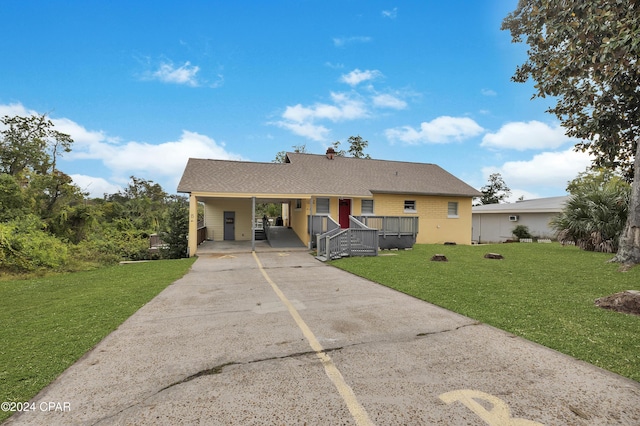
(112, 245)
(176, 230)
(595, 214)
(26, 247)
(521, 231)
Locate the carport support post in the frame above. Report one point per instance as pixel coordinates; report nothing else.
(193, 225)
(253, 223)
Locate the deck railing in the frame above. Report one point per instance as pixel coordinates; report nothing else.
(266, 224)
(391, 225)
(202, 234)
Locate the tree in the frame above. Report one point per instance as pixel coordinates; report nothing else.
(494, 192)
(176, 229)
(596, 212)
(338, 152)
(51, 192)
(585, 54)
(357, 146)
(143, 202)
(31, 143)
(13, 202)
(282, 155)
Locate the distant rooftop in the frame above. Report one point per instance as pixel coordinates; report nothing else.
(536, 205)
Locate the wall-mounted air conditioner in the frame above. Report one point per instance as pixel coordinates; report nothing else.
(513, 218)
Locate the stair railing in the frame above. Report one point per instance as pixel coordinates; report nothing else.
(358, 240)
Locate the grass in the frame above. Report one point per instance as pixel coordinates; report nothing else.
(542, 292)
(50, 322)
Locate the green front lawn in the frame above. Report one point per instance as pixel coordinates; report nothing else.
(542, 292)
(48, 323)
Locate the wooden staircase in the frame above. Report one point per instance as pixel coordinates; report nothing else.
(347, 242)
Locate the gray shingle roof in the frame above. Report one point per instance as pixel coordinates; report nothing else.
(536, 205)
(317, 175)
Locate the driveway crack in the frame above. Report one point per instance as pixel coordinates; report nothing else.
(431, 333)
(219, 368)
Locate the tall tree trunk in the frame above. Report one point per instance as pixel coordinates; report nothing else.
(629, 247)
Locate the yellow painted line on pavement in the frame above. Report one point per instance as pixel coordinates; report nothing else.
(357, 411)
(498, 415)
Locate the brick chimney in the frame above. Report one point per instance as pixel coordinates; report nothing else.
(330, 153)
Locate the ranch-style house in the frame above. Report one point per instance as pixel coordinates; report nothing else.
(399, 203)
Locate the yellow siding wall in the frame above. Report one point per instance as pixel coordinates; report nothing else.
(434, 227)
(299, 217)
(298, 220)
(214, 217)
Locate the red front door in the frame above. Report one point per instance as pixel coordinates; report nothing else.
(344, 212)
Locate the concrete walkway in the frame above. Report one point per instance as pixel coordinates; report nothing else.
(281, 339)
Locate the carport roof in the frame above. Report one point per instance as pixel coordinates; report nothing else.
(318, 175)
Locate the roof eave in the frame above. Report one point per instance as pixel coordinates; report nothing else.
(433, 194)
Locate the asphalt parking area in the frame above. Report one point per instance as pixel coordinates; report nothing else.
(280, 338)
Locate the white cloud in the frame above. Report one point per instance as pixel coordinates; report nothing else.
(85, 142)
(391, 14)
(342, 41)
(15, 109)
(308, 130)
(301, 120)
(165, 159)
(336, 66)
(168, 73)
(488, 92)
(544, 169)
(440, 130)
(152, 161)
(95, 186)
(356, 76)
(530, 135)
(388, 101)
(343, 108)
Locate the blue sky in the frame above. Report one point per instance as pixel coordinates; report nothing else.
(143, 86)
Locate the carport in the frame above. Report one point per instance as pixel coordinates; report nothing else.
(232, 221)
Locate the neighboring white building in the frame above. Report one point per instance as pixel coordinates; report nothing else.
(493, 223)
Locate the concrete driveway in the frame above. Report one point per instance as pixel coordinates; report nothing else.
(282, 339)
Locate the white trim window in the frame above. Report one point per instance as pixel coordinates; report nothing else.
(298, 204)
(410, 206)
(452, 209)
(367, 207)
(322, 206)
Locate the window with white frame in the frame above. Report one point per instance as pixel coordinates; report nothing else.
(410, 206)
(452, 209)
(322, 206)
(367, 207)
(298, 204)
